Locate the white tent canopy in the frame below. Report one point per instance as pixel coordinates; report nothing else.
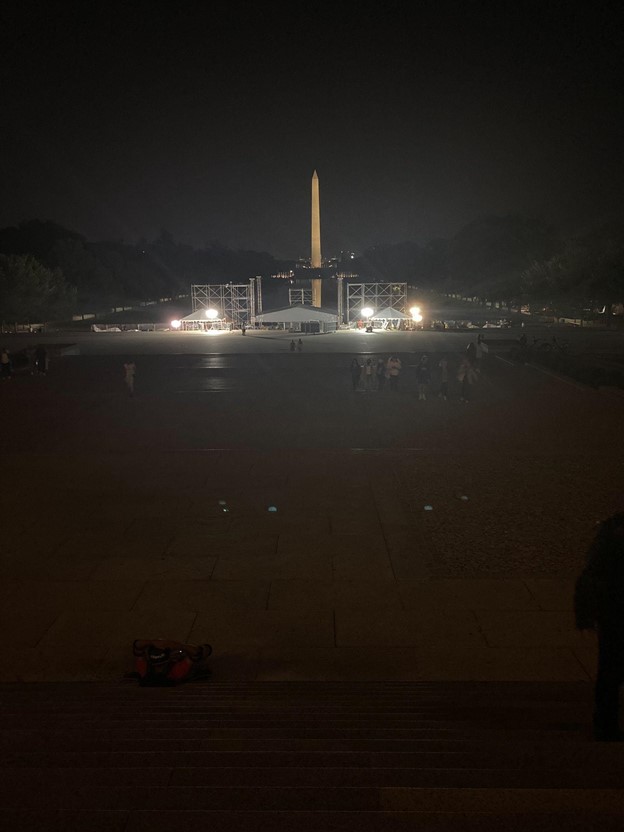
(297, 314)
(197, 315)
(389, 313)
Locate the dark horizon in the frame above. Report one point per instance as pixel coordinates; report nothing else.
(119, 123)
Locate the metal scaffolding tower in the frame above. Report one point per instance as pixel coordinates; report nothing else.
(376, 295)
(259, 294)
(303, 296)
(340, 299)
(233, 301)
(252, 299)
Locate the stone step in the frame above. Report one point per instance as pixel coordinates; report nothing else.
(111, 741)
(291, 728)
(302, 821)
(256, 756)
(326, 777)
(296, 799)
(316, 692)
(582, 756)
(496, 717)
(278, 739)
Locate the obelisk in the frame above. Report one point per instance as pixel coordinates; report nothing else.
(315, 259)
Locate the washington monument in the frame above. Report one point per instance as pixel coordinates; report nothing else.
(315, 258)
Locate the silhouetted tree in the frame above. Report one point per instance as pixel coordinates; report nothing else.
(490, 255)
(31, 291)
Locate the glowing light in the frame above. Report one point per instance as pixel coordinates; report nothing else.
(428, 508)
(415, 310)
(367, 312)
(272, 508)
(176, 324)
(417, 318)
(212, 314)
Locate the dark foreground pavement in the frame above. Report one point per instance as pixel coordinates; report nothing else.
(153, 516)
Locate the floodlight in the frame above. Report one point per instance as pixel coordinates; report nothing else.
(212, 314)
(367, 312)
(415, 310)
(176, 324)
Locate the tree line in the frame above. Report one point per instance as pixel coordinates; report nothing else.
(513, 259)
(47, 271)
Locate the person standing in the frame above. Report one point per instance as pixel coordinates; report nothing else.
(130, 371)
(41, 358)
(423, 378)
(443, 365)
(380, 372)
(471, 352)
(300, 345)
(356, 373)
(599, 605)
(480, 350)
(522, 342)
(368, 374)
(30, 357)
(292, 346)
(393, 370)
(467, 376)
(5, 359)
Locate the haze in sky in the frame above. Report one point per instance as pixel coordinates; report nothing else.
(208, 121)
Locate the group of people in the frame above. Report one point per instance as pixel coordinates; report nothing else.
(373, 375)
(36, 361)
(298, 346)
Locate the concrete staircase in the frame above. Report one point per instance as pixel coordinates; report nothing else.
(276, 756)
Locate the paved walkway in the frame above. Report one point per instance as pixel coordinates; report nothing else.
(153, 517)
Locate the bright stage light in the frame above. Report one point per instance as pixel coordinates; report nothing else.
(212, 314)
(367, 312)
(417, 318)
(176, 324)
(415, 310)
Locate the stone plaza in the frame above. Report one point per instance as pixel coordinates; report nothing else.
(246, 496)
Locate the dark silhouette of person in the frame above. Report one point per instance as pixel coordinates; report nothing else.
(381, 374)
(522, 341)
(292, 346)
(599, 605)
(393, 368)
(356, 373)
(41, 359)
(300, 345)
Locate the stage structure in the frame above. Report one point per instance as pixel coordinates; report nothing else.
(299, 296)
(234, 302)
(375, 296)
(340, 298)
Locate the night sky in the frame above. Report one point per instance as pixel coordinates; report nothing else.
(208, 120)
